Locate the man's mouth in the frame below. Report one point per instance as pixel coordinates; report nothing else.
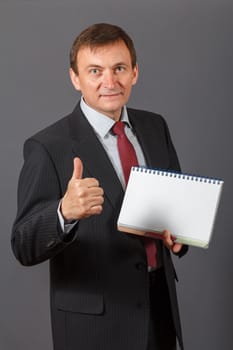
(112, 94)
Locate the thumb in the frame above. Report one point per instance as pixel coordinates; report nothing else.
(78, 169)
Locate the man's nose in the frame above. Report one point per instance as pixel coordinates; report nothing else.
(109, 79)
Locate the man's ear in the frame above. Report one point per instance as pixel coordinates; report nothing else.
(74, 79)
(135, 74)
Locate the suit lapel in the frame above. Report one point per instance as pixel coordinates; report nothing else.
(96, 162)
(150, 140)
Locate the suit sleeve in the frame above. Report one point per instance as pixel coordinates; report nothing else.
(36, 234)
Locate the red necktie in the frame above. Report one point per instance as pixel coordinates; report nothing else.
(128, 159)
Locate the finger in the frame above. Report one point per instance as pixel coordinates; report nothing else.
(96, 200)
(95, 210)
(167, 238)
(95, 192)
(90, 182)
(176, 247)
(78, 169)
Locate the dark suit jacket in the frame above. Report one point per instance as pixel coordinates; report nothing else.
(99, 278)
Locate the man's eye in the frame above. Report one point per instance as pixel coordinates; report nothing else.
(95, 71)
(120, 69)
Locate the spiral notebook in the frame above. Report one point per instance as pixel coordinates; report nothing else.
(156, 200)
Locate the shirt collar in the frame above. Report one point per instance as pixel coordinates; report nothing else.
(100, 122)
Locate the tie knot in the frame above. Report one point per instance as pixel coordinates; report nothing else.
(119, 128)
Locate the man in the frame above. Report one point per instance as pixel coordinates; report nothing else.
(103, 293)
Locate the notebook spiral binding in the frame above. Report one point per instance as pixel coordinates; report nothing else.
(177, 175)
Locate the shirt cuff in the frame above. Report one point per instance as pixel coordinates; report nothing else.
(66, 227)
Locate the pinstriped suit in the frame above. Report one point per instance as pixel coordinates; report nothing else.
(99, 279)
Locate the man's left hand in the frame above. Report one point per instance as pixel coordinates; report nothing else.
(170, 243)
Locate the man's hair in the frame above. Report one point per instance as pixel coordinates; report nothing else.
(97, 35)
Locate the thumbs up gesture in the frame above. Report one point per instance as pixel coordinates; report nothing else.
(83, 197)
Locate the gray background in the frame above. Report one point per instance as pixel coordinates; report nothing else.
(185, 55)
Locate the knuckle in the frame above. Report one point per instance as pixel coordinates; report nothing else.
(95, 182)
(82, 193)
(98, 209)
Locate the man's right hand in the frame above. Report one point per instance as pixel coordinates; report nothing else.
(83, 197)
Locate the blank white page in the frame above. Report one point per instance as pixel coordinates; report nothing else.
(184, 204)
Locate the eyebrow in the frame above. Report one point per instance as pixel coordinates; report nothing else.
(94, 66)
(115, 65)
(121, 64)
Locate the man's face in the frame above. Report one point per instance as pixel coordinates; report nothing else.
(105, 77)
